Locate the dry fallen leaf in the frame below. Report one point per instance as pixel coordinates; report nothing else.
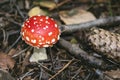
(36, 11)
(48, 4)
(76, 16)
(114, 74)
(6, 62)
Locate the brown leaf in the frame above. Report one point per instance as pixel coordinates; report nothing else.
(6, 62)
(36, 11)
(48, 4)
(76, 16)
(113, 73)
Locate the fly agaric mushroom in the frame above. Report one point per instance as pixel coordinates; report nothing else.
(40, 31)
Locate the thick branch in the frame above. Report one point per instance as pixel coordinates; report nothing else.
(98, 22)
(80, 54)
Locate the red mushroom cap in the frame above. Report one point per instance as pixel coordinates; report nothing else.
(40, 31)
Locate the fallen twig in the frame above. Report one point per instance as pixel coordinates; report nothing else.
(98, 22)
(62, 69)
(80, 54)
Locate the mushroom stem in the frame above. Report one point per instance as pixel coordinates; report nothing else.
(38, 54)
